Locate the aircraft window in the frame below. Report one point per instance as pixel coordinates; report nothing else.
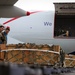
(64, 26)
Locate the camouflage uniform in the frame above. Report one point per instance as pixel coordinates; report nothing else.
(62, 57)
(2, 39)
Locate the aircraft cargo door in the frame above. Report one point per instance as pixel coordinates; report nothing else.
(64, 20)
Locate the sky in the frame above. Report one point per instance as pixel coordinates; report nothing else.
(32, 5)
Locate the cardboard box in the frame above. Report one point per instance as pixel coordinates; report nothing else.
(2, 46)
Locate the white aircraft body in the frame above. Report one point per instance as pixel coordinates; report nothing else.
(39, 28)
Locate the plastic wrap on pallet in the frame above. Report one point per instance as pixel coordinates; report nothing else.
(69, 60)
(32, 53)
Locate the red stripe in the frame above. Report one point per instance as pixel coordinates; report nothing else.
(35, 12)
(10, 20)
(19, 17)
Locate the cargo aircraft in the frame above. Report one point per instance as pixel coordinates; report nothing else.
(53, 27)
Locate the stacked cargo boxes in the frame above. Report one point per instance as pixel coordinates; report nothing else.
(32, 53)
(2, 47)
(69, 60)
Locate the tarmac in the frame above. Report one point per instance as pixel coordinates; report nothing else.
(21, 69)
(67, 74)
(72, 73)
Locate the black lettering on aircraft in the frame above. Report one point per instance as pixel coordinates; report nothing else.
(47, 24)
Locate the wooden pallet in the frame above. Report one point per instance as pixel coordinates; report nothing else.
(69, 60)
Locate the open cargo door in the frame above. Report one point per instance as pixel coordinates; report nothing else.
(64, 20)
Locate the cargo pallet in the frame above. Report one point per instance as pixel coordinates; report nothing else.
(35, 54)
